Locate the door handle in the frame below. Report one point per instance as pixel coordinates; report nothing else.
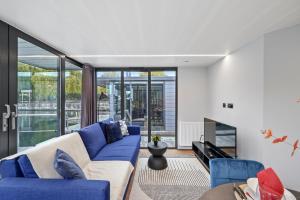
(5, 117)
(14, 115)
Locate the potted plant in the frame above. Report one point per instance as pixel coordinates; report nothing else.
(155, 139)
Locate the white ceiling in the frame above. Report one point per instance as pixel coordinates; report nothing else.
(149, 27)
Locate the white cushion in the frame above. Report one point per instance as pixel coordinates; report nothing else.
(116, 172)
(42, 156)
(123, 127)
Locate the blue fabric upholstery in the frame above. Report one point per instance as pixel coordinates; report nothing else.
(225, 170)
(125, 149)
(26, 167)
(113, 131)
(35, 189)
(66, 166)
(129, 140)
(103, 126)
(93, 139)
(134, 130)
(50, 189)
(10, 168)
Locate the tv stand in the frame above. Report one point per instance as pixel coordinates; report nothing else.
(206, 151)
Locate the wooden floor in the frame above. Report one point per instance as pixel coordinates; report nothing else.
(170, 152)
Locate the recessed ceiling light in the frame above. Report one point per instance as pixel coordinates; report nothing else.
(146, 55)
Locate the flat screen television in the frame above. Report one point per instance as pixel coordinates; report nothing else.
(220, 135)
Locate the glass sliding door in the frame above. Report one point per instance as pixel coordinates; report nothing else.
(108, 95)
(73, 83)
(146, 97)
(163, 106)
(37, 94)
(136, 101)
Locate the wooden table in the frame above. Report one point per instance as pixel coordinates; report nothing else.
(225, 192)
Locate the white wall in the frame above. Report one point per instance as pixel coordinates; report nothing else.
(281, 112)
(238, 79)
(262, 80)
(192, 92)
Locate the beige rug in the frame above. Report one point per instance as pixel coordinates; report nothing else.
(185, 178)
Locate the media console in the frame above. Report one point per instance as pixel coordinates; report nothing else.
(206, 151)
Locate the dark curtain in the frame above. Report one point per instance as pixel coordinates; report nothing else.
(88, 100)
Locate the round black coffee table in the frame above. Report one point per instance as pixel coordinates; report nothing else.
(157, 161)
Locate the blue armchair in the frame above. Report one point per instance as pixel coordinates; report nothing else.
(225, 170)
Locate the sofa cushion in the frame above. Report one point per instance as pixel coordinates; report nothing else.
(66, 166)
(10, 168)
(26, 167)
(129, 140)
(113, 132)
(123, 126)
(115, 152)
(116, 172)
(42, 155)
(93, 139)
(103, 126)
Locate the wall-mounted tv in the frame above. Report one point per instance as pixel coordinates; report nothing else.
(220, 135)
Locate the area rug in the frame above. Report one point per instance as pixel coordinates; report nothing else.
(183, 179)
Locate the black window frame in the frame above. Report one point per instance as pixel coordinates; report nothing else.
(63, 88)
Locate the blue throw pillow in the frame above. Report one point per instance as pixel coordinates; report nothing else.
(26, 167)
(103, 126)
(114, 132)
(93, 139)
(10, 168)
(66, 166)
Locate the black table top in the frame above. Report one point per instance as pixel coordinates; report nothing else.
(160, 145)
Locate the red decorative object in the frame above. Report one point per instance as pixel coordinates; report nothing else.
(270, 186)
(277, 140)
(295, 146)
(269, 134)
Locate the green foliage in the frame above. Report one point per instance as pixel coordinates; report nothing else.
(73, 85)
(42, 82)
(156, 138)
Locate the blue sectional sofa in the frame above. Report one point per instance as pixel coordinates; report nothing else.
(30, 175)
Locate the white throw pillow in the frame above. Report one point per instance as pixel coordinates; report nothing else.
(123, 127)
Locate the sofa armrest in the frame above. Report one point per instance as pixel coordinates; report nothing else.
(49, 189)
(134, 130)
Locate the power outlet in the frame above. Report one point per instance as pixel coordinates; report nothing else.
(230, 105)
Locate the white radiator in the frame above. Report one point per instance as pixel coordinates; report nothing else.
(188, 132)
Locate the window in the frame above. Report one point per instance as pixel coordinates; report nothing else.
(108, 95)
(37, 94)
(73, 85)
(141, 96)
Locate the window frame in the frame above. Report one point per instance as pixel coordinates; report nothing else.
(63, 90)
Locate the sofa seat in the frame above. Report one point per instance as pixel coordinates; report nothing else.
(116, 172)
(115, 151)
(129, 140)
